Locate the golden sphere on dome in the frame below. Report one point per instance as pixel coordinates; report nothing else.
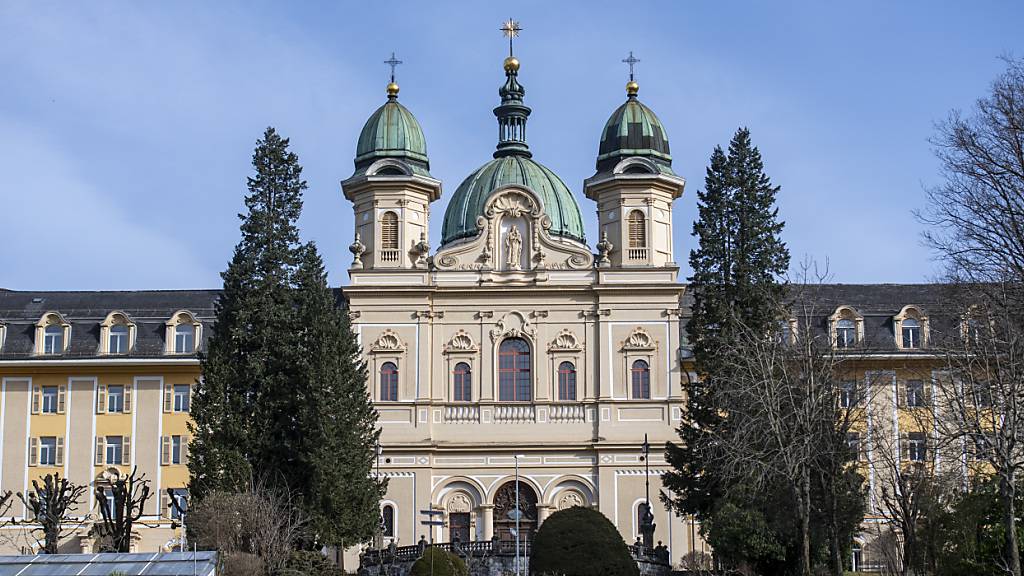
(511, 64)
(632, 88)
(392, 89)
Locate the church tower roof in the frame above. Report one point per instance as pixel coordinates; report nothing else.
(392, 132)
(633, 130)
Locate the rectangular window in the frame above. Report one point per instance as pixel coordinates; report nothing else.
(184, 339)
(53, 340)
(853, 443)
(115, 399)
(181, 397)
(916, 394)
(108, 502)
(48, 451)
(848, 393)
(114, 449)
(917, 447)
(117, 342)
(180, 497)
(175, 449)
(49, 399)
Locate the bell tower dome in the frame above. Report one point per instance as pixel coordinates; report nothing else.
(634, 186)
(391, 189)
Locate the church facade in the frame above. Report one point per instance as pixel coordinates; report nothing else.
(516, 350)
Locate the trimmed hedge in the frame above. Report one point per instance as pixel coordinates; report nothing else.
(580, 541)
(445, 564)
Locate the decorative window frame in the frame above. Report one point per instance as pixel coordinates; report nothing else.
(644, 224)
(566, 347)
(846, 312)
(388, 342)
(461, 347)
(178, 318)
(388, 347)
(911, 311)
(116, 318)
(496, 364)
(640, 345)
(48, 319)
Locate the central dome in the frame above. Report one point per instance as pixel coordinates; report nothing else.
(512, 165)
(468, 201)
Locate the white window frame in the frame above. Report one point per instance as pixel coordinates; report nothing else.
(50, 450)
(119, 396)
(110, 446)
(47, 400)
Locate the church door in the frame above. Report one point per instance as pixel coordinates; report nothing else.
(458, 526)
(504, 512)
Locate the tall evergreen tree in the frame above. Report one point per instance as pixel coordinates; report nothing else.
(283, 395)
(737, 267)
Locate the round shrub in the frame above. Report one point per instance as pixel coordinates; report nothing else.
(580, 542)
(445, 564)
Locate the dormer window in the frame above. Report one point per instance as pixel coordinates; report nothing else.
(117, 334)
(847, 327)
(911, 328)
(52, 334)
(183, 333)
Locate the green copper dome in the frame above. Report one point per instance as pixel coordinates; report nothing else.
(392, 132)
(469, 199)
(633, 130)
(512, 165)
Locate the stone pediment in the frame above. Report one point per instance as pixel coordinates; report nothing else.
(639, 340)
(388, 342)
(513, 240)
(460, 342)
(566, 341)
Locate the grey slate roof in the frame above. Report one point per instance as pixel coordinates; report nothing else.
(878, 304)
(162, 564)
(148, 309)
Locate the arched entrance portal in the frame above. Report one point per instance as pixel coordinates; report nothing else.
(505, 506)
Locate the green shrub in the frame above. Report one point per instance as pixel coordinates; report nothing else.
(445, 564)
(580, 542)
(310, 563)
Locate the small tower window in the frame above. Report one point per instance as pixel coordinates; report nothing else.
(637, 230)
(389, 231)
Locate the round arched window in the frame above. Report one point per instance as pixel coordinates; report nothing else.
(515, 382)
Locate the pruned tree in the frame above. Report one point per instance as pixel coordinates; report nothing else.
(786, 387)
(121, 506)
(976, 219)
(48, 507)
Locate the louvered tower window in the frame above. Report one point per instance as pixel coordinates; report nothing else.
(637, 230)
(389, 231)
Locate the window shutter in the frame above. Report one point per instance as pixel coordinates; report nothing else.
(168, 397)
(37, 398)
(127, 398)
(904, 448)
(184, 449)
(165, 450)
(101, 448)
(62, 393)
(33, 451)
(389, 231)
(165, 504)
(59, 459)
(101, 399)
(126, 450)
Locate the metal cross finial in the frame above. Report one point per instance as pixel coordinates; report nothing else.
(392, 62)
(631, 61)
(510, 29)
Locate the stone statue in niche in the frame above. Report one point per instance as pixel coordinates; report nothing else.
(513, 248)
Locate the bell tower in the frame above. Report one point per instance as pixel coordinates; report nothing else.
(634, 187)
(391, 189)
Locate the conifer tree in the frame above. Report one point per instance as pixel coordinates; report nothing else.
(737, 268)
(247, 366)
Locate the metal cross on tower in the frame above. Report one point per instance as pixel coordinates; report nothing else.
(631, 61)
(510, 29)
(392, 62)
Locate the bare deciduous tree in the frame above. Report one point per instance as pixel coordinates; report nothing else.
(47, 507)
(786, 389)
(259, 526)
(127, 500)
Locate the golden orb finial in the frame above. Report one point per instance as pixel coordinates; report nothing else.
(511, 64)
(392, 90)
(632, 88)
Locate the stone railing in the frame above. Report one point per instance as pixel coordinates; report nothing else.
(568, 413)
(462, 414)
(637, 253)
(390, 255)
(514, 414)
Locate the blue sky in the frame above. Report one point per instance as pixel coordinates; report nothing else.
(128, 126)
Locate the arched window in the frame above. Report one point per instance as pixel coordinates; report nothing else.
(387, 521)
(117, 339)
(514, 379)
(911, 332)
(637, 230)
(53, 339)
(846, 333)
(184, 338)
(566, 381)
(389, 382)
(389, 231)
(641, 373)
(463, 383)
